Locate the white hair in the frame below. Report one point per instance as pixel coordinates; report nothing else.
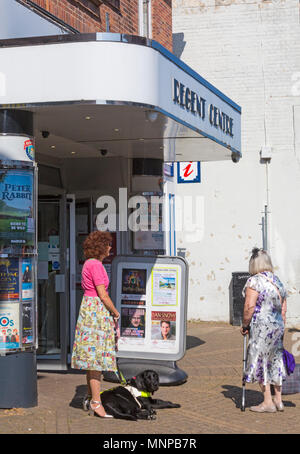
(260, 261)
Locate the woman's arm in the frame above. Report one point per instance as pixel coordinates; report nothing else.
(283, 310)
(104, 296)
(250, 302)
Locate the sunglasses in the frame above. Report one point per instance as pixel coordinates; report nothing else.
(255, 252)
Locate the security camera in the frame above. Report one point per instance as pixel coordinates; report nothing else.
(151, 115)
(103, 152)
(45, 134)
(235, 157)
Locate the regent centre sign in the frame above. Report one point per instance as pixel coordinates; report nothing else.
(192, 102)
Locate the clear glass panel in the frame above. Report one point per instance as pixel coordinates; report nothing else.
(49, 341)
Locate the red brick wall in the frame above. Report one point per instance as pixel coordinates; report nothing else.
(162, 22)
(88, 16)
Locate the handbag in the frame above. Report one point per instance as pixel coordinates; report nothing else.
(289, 362)
(288, 358)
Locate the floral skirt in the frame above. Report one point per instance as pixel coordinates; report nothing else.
(94, 343)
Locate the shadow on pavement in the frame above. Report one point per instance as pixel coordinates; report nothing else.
(193, 341)
(252, 397)
(80, 392)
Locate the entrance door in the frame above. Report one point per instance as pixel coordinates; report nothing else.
(56, 284)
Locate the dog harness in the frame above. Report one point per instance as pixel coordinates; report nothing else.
(136, 393)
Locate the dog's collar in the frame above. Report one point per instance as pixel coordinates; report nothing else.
(145, 394)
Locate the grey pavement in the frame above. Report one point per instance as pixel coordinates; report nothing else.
(210, 399)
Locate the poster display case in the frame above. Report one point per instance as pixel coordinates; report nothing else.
(151, 295)
(17, 257)
(149, 239)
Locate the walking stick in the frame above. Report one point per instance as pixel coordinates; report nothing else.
(244, 369)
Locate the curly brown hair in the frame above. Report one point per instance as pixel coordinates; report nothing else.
(94, 247)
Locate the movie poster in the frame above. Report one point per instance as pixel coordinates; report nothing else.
(164, 287)
(27, 280)
(16, 208)
(9, 279)
(133, 322)
(27, 323)
(163, 326)
(9, 327)
(134, 281)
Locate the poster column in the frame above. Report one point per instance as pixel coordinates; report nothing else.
(18, 258)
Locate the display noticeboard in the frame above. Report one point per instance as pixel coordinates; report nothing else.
(16, 208)
(151, 295)
(16, 303)
(17, 257)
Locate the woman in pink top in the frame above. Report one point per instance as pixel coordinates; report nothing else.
(94, 345)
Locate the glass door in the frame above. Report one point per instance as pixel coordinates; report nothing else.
(54, 281)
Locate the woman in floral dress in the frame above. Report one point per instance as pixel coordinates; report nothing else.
(94, 345)
(264, 320)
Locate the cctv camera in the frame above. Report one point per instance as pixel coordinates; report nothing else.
(151, 115)
(235, 157)
(45, 134)
(103, 152)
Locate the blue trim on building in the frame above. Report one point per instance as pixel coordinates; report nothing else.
(191, 72)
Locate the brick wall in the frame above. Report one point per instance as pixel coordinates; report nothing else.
(251, 52)
(88, 16)
(162, 22)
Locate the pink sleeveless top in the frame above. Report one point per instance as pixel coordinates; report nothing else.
(93, 273)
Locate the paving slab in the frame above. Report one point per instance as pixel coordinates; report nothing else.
(210, 399)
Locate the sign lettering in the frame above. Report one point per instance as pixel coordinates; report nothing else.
(192, 102)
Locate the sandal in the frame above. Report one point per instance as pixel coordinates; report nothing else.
(93, 412)
(264, 409)
(279, 406)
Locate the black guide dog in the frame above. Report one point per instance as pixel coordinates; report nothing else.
(133, 401)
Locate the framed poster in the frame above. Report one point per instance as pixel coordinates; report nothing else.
(27, 323)
(164, 287)
(16, 208)
(9, 326)
(134, 281)
(133, 322)
(9, 279)
(27, 279)
(163, 326)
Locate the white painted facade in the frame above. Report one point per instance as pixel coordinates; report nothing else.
(251, 52)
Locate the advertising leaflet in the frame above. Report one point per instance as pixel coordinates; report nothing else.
(16, 318)
(150, 236)
(164, 287)
(133, 322)
(163, 328)
(134, 281)
(9, 279)
(27, 284)
(16, 208)
(9, 326)
(27, 323)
